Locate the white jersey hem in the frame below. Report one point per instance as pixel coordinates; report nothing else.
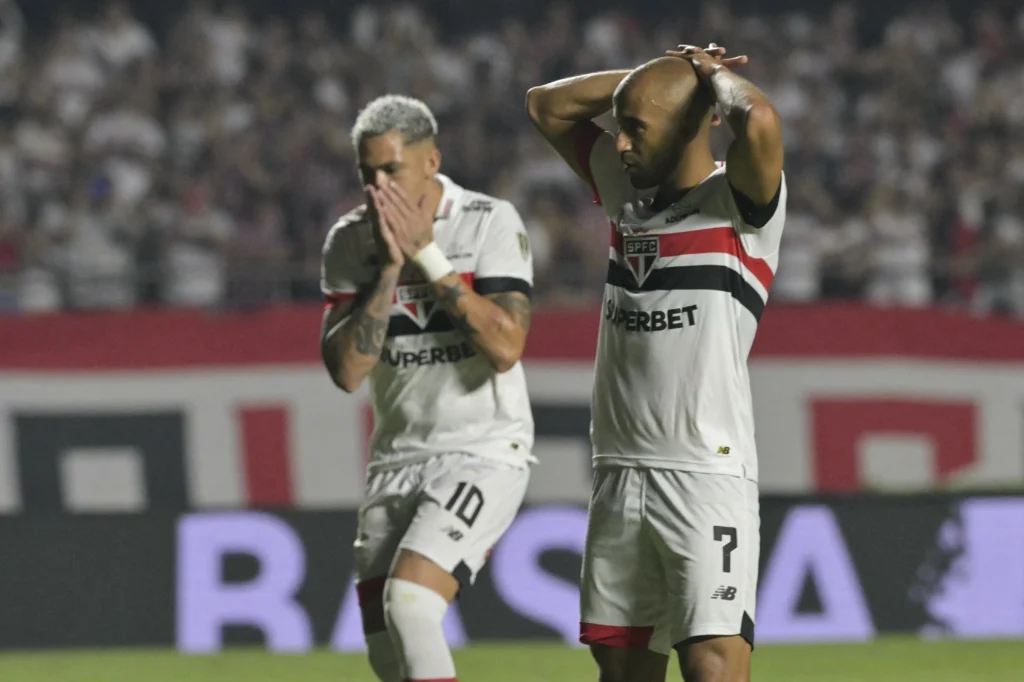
(654, 462)
(393, 460)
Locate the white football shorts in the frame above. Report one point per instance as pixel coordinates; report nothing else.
(670, 555)
(452, 509)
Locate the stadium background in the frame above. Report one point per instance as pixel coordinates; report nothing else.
(176, 471)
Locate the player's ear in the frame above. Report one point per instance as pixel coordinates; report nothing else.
(434, 161)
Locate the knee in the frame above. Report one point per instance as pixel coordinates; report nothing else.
(714, 661)
(706, 666)
(607, 673)
(613, 671)
(409, 606)
(628, 665)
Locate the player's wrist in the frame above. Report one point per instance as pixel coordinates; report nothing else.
(432, 262)
(718, 72)
(391, 270)
(713, 73)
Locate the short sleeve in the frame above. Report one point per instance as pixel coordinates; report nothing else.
(602, 166)
(338, 270)
(505, 262)
(764, 240)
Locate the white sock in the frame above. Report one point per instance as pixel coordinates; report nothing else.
(383, 659)
(414, 615)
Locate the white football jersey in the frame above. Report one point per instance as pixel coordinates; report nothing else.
(433, 393)
(685, 291)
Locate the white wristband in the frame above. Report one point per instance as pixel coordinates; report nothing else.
(433, 263)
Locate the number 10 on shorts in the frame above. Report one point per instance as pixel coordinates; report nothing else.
(469, 500)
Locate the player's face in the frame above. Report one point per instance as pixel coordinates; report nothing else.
(386, 158)
(651, 138)
(645, 141)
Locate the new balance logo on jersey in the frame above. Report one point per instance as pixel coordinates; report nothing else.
(681, 216)
(417, 302)
(428, 356)
(649, 321)
(641, 252)
(725, 593)
(453, 533)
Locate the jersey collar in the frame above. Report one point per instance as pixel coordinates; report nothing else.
(691, 199)
(449, 199)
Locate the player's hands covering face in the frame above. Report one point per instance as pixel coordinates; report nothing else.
(410, 224)
(386, 242)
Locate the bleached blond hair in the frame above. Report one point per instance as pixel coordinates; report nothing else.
(410, 117)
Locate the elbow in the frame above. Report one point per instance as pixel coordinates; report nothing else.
(506, 358)
(763, 126)
(502, 365)
(341, 373)
(346, 381)
(347, 385)
(535, 103)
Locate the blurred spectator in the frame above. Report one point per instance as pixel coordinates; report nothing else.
(71, 73)
(1001, 275)
(120, 40)
(12, 36)
(259, 255)
(219, 140)
(10, 243)
(98, 248)
(572, 260)
(44, 151)
(230, 41)
(196, 241)
(900, 272)
(125, 139)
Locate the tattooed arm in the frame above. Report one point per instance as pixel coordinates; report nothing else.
(755, 157)
(496, 324)
(352, 334)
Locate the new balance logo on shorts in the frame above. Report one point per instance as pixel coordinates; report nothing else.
(453, 533)
(725, 593)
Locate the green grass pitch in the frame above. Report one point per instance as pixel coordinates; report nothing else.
(898, 660)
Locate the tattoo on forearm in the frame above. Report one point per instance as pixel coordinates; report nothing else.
(449, 297)
(370, 330)
(369, 335)
(517, 306)
(735, 95)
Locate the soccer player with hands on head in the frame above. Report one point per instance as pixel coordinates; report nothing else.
(671, 554)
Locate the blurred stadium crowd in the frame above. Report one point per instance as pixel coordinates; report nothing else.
(200, 162)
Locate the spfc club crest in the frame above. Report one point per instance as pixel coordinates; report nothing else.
(417, 302)
(640, 252)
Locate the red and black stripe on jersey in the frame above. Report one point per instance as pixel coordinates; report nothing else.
(402, 325)
(715, 240)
